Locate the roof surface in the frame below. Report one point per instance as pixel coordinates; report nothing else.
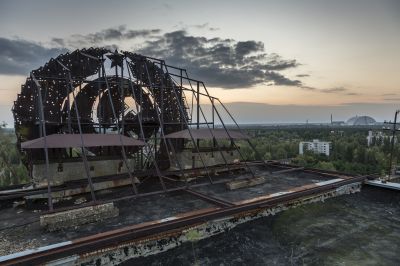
(74, 140)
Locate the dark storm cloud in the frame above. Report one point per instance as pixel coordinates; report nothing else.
(222, 63)
(19, 57)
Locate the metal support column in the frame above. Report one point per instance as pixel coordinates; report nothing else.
(46, 152)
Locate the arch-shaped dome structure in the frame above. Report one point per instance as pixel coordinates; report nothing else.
(361, 121)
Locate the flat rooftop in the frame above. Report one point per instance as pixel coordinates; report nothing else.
(20, 228)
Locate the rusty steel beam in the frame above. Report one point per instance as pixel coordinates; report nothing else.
(212, 199)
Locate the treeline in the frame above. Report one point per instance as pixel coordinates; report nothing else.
(12, 171)
(349, 153)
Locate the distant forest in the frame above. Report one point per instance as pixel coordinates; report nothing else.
(12, 171)
(349, 153)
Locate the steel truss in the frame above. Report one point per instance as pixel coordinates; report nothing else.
(92, 90)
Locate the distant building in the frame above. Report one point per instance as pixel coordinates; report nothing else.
(336, 123)
(379, 136)
(316, 146)
(361, 121)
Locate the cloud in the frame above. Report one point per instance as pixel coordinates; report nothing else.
(338, 90)
(19, 57)
(205, 26)
(334, 90)
(224, 63)
(309, 88)
(392, 99)
(111, 34)
(389, 94)
(282, 80)
(200, 26)
(352, 93)
(302, 75)
(220, 62)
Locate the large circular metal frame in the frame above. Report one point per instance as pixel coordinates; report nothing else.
(144, 94)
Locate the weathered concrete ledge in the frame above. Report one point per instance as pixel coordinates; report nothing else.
(84, 189)
(236, 184)
(163, 242)
(76, 217)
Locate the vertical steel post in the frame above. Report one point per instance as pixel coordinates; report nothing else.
(214, 140)
(84, 157)
(190, 132)
(99, 105)
(156, 107)
(135, 191)
(46, 152)
(198, 105)
(392, 142)
(233, 143)
(248, 140)
(226, 130)
(181, 92)
(198, 110)
(213, 118)
(69, 111)
(140, 118)
(68, 79)
(201, 110)
(215, 143)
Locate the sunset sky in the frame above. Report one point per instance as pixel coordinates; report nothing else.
(272, 61)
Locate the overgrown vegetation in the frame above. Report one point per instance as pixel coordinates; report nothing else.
(12, 171)
(349, 153)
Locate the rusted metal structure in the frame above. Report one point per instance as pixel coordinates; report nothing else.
(92, 99)
(393, 130)
(95, 120)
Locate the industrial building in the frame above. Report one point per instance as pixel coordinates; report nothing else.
(361, 121)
